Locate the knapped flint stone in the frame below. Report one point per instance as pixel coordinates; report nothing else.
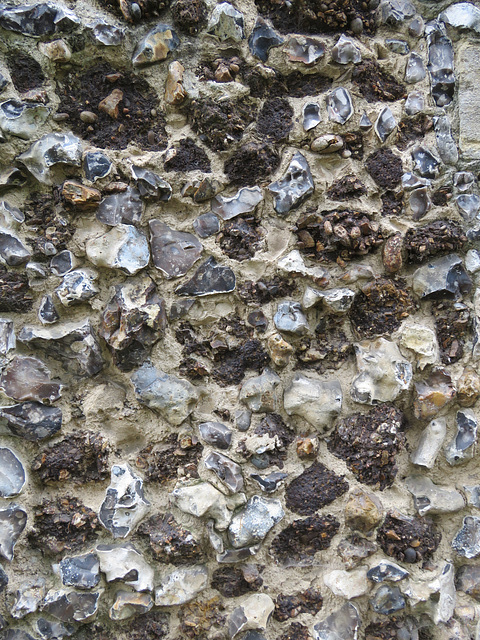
(467, 540)
(200, 498)
(250, 525)
(290, 318)
(62, 263)
(316, 401)
(295, 186)
(39, 19)
(342, 623)
(462, 15)
(74, 344)
(133, 321)
(3, 582)
(155, 46)
(383, 372)
(387, 600)
(228, 471)
(12, 474)
(425, 162)
(50, 150)
(47, 312)
(244, 201)
(123, 247)
(96, 165)
(180, 586)
(397, 46)
(125, 563)
(81, 572)
(387, 571)
(270, 483)
(7, 336)
(206, 225)
(468, 580)
(253, 613)
(430, 498)
(12, 177)
(415, 70)
(446, 145)
(346, 51)
(13, 520)
(262, 39)
(365, 123)
(77, 287)
(216, 434)
(12, 250)
(385, 124)
(443, 277)
(71, 606)
(53, 630)
(106, 33)
(311, 115)
(10, 215)
(31, 420)
(210, 278)
(226, 22)
(173, 252)
(462, 446)
(125, 207)
(150, 185)
(174, 398)
(124, 506)
(420, 202)
(15, 634)
(430, 443)
(27, 598)
(415, 103)
(339, 105)
(128, 604)
(260, 393)
(22, 119)
(440, 63)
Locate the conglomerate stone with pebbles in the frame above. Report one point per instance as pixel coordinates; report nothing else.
(239, 319)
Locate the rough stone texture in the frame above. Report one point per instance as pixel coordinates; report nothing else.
(83, 126)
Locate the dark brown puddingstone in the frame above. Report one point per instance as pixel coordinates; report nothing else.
(231, 364)
(275, 120)
(136, 10)
(282, 435)
(25, 71)
(385, 168)
(236, 580)
(187, 157)
(433, 239)
(313, 489)
(240, 238)
(296, 631)
(64, 524)
(294, 85)
(189, 16)
(303, 538)
(442, 196)
(315, 16)
(353, 141)
(453, 327)
(309, 601)
(84, 91)
(369, 444)
(46, 224)
(149, 626)
(169, 541)
(380, 307)
(389, 629)
(337, 235)
(265, 290)
(408, 539)
(346, 188)
(80, 457)
(219, 124)
(375, 84)
(392, 203)
(328, 349)
(252, 164)
(411, 129)
(15, 293)
(201, 619)
(160, 462)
